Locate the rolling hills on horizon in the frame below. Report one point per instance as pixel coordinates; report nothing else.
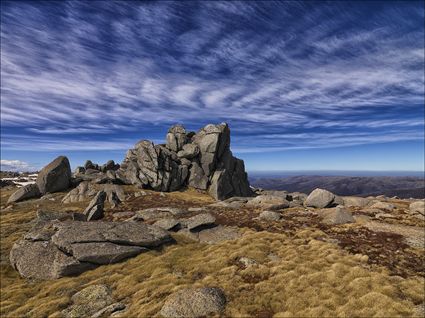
(401, 186)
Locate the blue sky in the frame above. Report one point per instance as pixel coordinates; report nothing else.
(303, 85)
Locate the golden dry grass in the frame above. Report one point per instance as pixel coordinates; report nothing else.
(310, 278)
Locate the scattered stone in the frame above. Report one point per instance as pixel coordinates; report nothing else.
(140, 194)
(337, 215)
(296, 204)
(200, 209)
(80, 170)
(110, 310)
(200, 220)
(78, 194)
(6, 183)
(26, 192)
(273, 257)
(270, 216)
(123, 215)
(94, 210)
(355, 202)
(385, 216)
(167, 224)
(93, 301)
(417, 207)
(194, 302)
(383, 206)
(296, 196)
(270, 202)
(247, 262)
(54, 177)
(92, 171)
(320, 198)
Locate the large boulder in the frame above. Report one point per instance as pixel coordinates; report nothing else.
(320, 198)
(61, 247)
(202, 161)
(56, 176)
(26, 192)
(194, 302)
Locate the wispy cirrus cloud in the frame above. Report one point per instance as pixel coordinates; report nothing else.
(263, 67)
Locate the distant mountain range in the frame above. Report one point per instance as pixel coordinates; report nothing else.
(403, 187)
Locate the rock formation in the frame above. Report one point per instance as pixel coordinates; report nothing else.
(202, 161)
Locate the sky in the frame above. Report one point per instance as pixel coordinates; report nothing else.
(303, 85)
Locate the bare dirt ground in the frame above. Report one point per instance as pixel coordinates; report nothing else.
(374, 267)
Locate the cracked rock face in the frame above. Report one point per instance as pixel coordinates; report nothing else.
(55, 248)
(202, 161)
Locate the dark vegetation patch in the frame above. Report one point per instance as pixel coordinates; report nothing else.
(382, 248)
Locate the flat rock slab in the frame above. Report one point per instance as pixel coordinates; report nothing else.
(167, 224)
(203, 219)
(159, 213)
(104, 253)
(122, 233)
(43, 260)
(54, 248)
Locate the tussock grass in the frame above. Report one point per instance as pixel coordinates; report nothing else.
(312, 278)
(306, 277)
